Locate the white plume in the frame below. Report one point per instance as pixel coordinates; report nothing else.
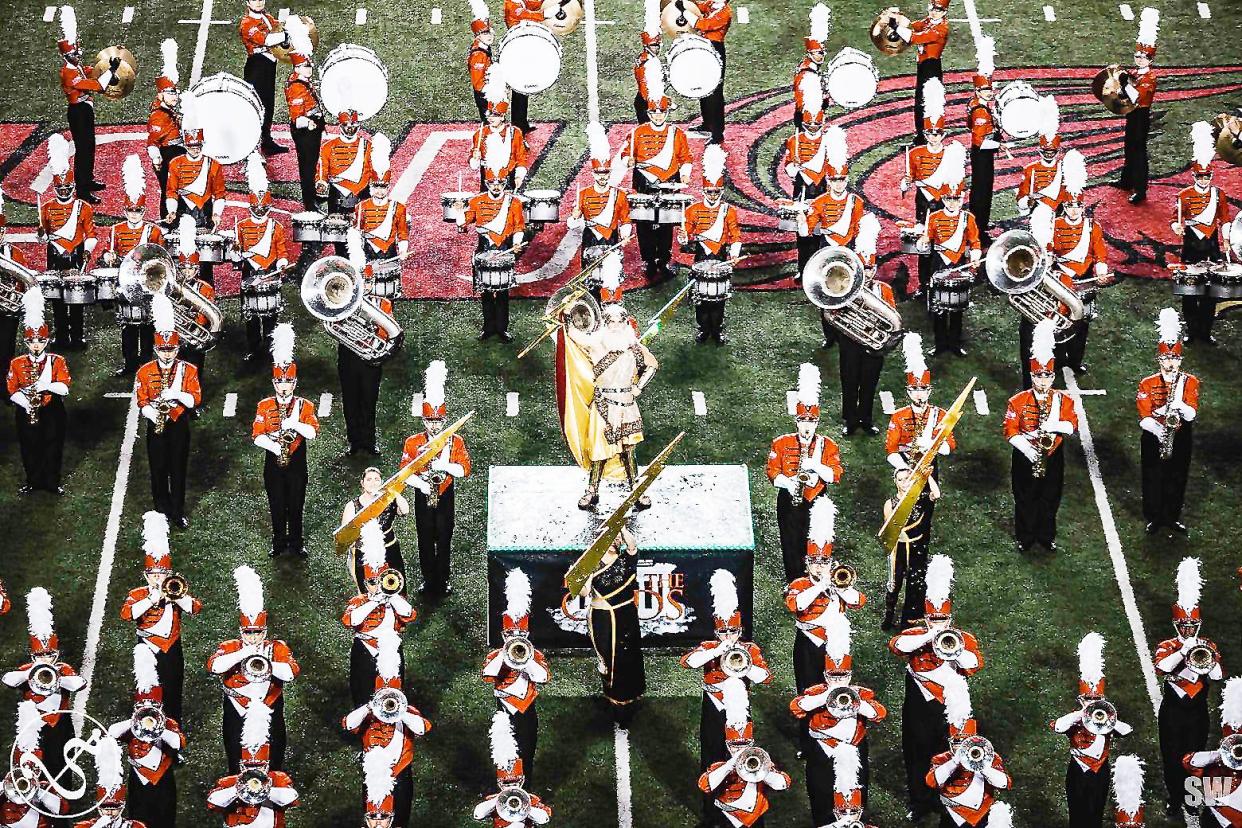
(651, 17)
(1091, 658)
(939, 578)
(821, 22)
(187, 236)
(494, 88)
(388, 657)
(1042, 223)
(155, 534)
(912, 350)
(168, 50)
(163, 319)
(957, 708)
(808, 384)
(146, 674)
(58, 152)
(724, 594)
(189, 111)
(32, 309)
(371, 539)
(1074, 172)
(504, 745)
(478, 10)
(353, 248)
(1202, 143)
(736, 704)
(597, 142)
(1128, 783)
(132, 177)
(68, 24)
(618, 170)
(381, 153)
(933, 99)
(1169, 326)
(256, 725)
(299, 35)
(1001, 815)
(1049, 117)
(846, 765)
(433, 382)
(713, 163)
(1231, 703)
(822, 528)
(653, 76)
(493, 152)
(249, 590)
(836, 150)
(256, 174)
(868, 235)
(1149, 26)
(517, 594)
(377, 765)
(108, 764)
(811, 85)
(30, 724)
(985, 55)
(40, 622)
(610, 274)
(1043, 341)
(952, 169)
(283, 338)
(837, 635)
(1189, 584)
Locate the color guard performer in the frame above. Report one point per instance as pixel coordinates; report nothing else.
(374, 614)
(1139, 87)
(510, 775)
(496, 216)
(496, 144)
(929, 36)
(110, 791)
(711, 226)
(801, 465)
(122, 238)
(1222, 764)
(659, 154)
(38, 383)
(1037, 423)
(602, 210)
(195, 184)
(253, 672)
(260, 253)
(306, 112)
(164, 119)
(741, 800)
(613, 621)
(860, 365)
(908, 561)
(32, 811)
(522, 11)
(1128, 792)
(1079, 252)
(952, 240)
(479, 59)
(259, 32)
(8, 323)
(923, 728)
(648, 60)
(67, 227)
(80, 86)
(1168, 403)
(985, 136)
(806, 162)
(153, 743)
(517, 669)
(344, 172)
(715, 18)
(156, 611)
(808, 81)
(382, 221)
(49, 697)
(955, 776)
(1187, 663)
(370, 485)
(1202, 221)
(283, 425)
(1043, 180)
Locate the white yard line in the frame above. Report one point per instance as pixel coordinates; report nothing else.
(200, 47)
(621, 744)
(1120, 570)
(592, 61)
(107, 555)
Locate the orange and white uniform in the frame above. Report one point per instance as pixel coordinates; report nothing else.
(227, 660)
(256, 30)
(1089, 750)
(716, 681)
(181, 382)
(261, 242)
(1155, 395)
(965, 794)
(195, 183)
(346, 164)
(26, 371)
(163, 128)
(157, 619)
(806, 65)
(908, 430)
(659, 154)
(385, 227)
(301, 99)
(1202, 213)
(371, 617)
(270, 814)
(604, 213)
(457, 456)
(828, 730)
(67, 226)
(515, 690)
(981, 118)
(785, 459)
(1226, 810)
(716, 18)
(923, 163)
(512, 150)
(14, 253)
(714, 229)
(1041, 183)
(17, 814)
(1142, 88)
(70, 682)
(394, 738)
(124, 237)
(478, 62)
(927, 669)
(929, 38)
(79, 84)
(813, 601)
(953, 236)
(837, 217)
(1078, 247)
(271, 415)
(501, 217)
(806, 157)
(517, 11)
(742, 802)
(1026, 411)
(1170, 662)
(149, 760)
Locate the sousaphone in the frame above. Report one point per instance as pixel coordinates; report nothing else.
(126, 73)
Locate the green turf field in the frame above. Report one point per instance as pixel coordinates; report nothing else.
(1028, 612)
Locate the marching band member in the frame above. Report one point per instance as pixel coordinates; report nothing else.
(913, 427)
(38, 383)
(370, 485)
(956, 782)
(382, 221)
(32, 811)
(259, 32)
(659, 153)
(306, 112)
(260, 252)
(283, 425)
(110, 791)
(923, 159)
(741, 801)
(67, 227)
(226, 796)
(952, 239)
(1165, 446)
(715, 18)
(190, 267)
(1043, 179)
(379, 804)
(1222, 763)
(122, 238)
(1186, 663)
(1203, 210)
(519, 11)
(1128, 792)
(151, 749)
(848, 796)
(985, 136)
(806, 162)
(1079, 252)
(156, 611)
(929, 669)
(1139, 87)
(515, 683)
(711, 226)
(167, 390)
(721, 675)
(929, 36)
(48, 697)
(510, 774)
(496, 216)
(5, 604)
(1086, 775)
(243, 685)
(373, 614)
(808, 81)
(908, 561)
(613, 622)
(648, 59)
(195, 183)
(860, 364)
(360, 379)
(479, 58)
(434, 511)
(80, 87)
(832, 725)
(817, 596)
(1037, 423)
(801, 465)
(8, 322)
(602, 210)
(164, 119)
(496, 144)
(344, 172)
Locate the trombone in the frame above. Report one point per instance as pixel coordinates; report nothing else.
(568, 299)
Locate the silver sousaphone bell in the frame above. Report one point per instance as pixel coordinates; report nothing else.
(1231, 751)
(834, 281)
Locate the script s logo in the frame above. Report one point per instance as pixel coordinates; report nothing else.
(30, 782)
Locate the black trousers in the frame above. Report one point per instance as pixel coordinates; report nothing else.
(55, 737)
(1074, 348)
(258, 330)
(946, 821)
(519, 107)
(712, 108)
(435, 539)
(1183, 725)
(1086, 794)
(260, 72)
(42, 444)
(232, 732)
(360, 385)
(710, 318)
(910, 571)
(927, 69)
(923, 205)
(1199, 312)
(982, 177)
(495, 311)
(924, 733)
(167, 456)
(286, 497)
(655, 241)
(402, 798)
(167, 153)
(712, 748)
(8, 340)
(640, 108)
(343, 204)
(808, 662)
(1134, 169)
(306, 142)
(807, 245)
(793, 519)
(946, 324)
(66, 318)
(363, 672)
(153, 804)
(136, 345)
(1164, 481)
(1036, 500)
(170, 667)
(821, 781)
(526, 734)
(480, 103)
(860, 375)
(81, 118)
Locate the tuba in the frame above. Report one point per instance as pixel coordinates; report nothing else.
(884, 34)
(753, 763)
(1018, 266)
(254, 786)
(513, 804)
(948, 644)
(1099, 716)
(517, 652)
(736, 661)
(834, 281)
(388, 704)
(150, 266)
(975, 753)
(148, 722)
(1106, 86)
(334, 292)
(44, 679)
(15, 279)
(126, 73)
(1231, 752)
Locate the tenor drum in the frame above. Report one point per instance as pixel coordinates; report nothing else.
(107, 283)
(590, 255)
(530, 57)
(493, 270)
(787, 217)
(261, 299)
(712, 281)
(387, 276)
(352, 77)
(1225, 281)
(671, 207)
(52, 283)
(231, 115)
(642, 207)
(334, 229)
(447, 200)
(910, 239)
(307, 226)
(1017, 105)
(950, 292)
(542, 205)
(695, 69)
(212, 247)
(851, 78)
(130, 314)
(1191, 280)
(79, 289)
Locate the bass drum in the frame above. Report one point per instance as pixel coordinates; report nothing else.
(232, 117)
(1018, 108)
(851, 78)
(530, 57)
(352, 77)
(695, 69)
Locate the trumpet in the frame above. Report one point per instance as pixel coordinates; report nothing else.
(1172, 422)
(254, 786)
(753, 763)
(513, 804)
(257, 668)
(1201, 659)
(44, 679)
(948, 644)
(975, 753)
(736, 661)
(392, 582)
(1099, 716)
(843, 576)
(388, 704)
(518, 651)
(175, 586)
(844, 702)
(1017, 266)
(1231, 752)
(148, 722)
(20, 785)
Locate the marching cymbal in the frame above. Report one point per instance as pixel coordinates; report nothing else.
(1106, 86)
(677, 16)
(127, 72)
(562, 16)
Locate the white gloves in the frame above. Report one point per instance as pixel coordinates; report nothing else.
(788, 484)
(1023, 445)
(302, 122)
(1152, 427)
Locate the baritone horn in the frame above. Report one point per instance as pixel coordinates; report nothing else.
(254, 786)
(15, 279)
(126, 73)
(975, 753)
(736, 661)
(948, 644)
(1099, 716)
(388, 705)
(834, 280)
(334, 292)
(518, 651)
(753, 763)
(1018, 266)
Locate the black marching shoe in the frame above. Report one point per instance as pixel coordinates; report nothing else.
(505, 337)
(722, 339)
(274, 148)
(182, 522)
(24, 489)
(483, 335)
(1138, 198)
(1152, 527)
(1179, 527)
(97, 186)
(870, 429)
(275, 552)
(1051, 546)
(300, 551)
(700, 337)
(847, 430)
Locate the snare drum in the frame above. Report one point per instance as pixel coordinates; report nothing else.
(212, 247)
(334, 229)
(642, 206)
(787, 216)
(950, 292)
(1225, 281)
(711, 281)
(353, 77)
(447, 200)
(1017, 106)
(231, 115)
(261, 298)
(107, 283)
(52, 283)
(387, 277)
(493, 270)
(542, 205)
(79, 289)
(530, 57)
(671, 207)
(851, 78)
(695, 69)
(130, 314)
(590, 255)
(307, 226)
(910, 239)
(1191, 280)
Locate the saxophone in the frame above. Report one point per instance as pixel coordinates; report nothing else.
(1172, 422)
(162, 406)
(1044, 442)
(285, 437)
(804, 475)
(34, 397)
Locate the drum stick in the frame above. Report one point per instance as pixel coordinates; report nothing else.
(459, 181)
(909, 173)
